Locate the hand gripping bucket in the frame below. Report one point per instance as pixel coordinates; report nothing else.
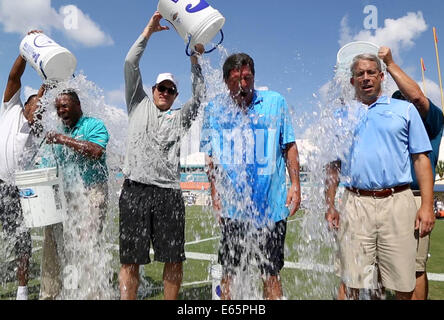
(50, 60)
(195, 21)
(349, 51)
(216, 276)
(41, 196)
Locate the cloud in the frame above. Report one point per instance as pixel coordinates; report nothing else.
(432, 90)
(116, 97)
(82, 29)
(28, 91)
(397, 33)
(25, 15)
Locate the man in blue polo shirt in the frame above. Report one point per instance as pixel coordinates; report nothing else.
(250, 141)
(80, 152)
(433, 121)
(379, 216)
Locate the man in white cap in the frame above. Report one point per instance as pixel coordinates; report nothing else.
(151, 204)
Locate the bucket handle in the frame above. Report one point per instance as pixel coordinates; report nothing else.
(53, 151)
(208, 51)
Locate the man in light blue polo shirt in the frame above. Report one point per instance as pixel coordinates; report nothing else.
(80, 152)
(250, 140)
(379, 216)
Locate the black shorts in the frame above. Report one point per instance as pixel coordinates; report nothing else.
(149, 214)
(241, 241)
(11, 218)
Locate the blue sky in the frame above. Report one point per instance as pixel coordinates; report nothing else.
(293, 43)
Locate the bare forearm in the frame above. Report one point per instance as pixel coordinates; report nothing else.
(424, 175)
(409, 88)
(88, 149)
(293, 167)
(18, 68)
(331, 183)
(14, 79)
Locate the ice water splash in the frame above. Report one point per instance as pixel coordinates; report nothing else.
(331, 136)
(246, 280)
(88, 266)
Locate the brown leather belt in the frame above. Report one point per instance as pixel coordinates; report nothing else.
(383, 193)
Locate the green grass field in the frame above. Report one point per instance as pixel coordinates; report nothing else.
(202, 237)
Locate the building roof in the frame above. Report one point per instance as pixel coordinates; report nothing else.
(194, 160)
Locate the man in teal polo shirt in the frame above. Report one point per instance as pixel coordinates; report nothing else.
(80, 152)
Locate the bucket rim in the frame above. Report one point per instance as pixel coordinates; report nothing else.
(354, 43)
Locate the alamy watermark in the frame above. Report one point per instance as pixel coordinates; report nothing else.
(71, 17)
(371, 20)
(70, 277)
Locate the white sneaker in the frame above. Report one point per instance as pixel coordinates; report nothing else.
(22, 293)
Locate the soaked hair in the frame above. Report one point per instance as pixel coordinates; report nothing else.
(72, 95)
(365, 56)
(30, 98)
(236, 61)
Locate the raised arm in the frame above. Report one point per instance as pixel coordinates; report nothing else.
(15, 75)
(190, 110)
(14, 80)
(408, 87)
(134, 92)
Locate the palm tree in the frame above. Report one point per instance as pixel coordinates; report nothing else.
(440, 169)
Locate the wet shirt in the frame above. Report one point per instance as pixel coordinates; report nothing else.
(15, 139)
(153, 143)
(433, 124)
(248, 149)
(385, 137)
(74, 164)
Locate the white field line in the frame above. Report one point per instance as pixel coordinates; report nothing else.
(202, 240)
(213, 257)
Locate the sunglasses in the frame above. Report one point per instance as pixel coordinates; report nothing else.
(170, 91)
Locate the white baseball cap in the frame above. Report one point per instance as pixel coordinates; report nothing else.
(166, 76)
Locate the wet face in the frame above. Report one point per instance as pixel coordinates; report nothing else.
(367, 80)
(31, 111)
(240, 83)
(164, 95)
(68, 110)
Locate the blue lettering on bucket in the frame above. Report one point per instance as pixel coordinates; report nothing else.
(46, 42)
(36, 57)
(28, 49)
(199, 7)
(27, 193)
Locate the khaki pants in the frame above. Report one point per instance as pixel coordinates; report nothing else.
(378, 234)
(53, 256)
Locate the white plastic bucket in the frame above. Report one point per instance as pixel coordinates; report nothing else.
(41, 196)
(192, 18)
(349, 51)
(50, 60)
(216, 277)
